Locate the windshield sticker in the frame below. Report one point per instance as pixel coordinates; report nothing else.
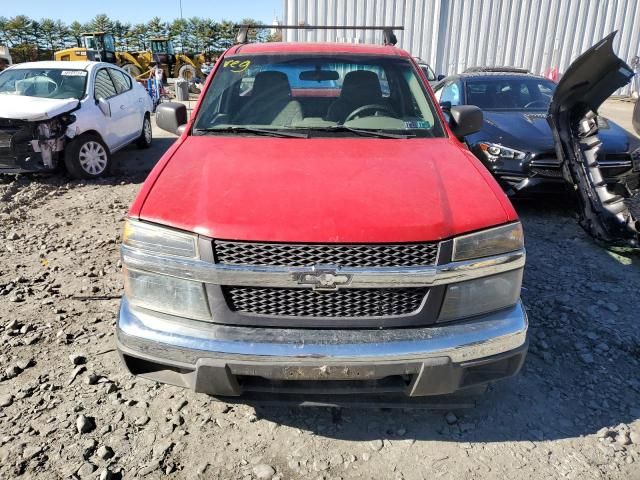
(73, 73)
(413, 124)
(236, 66)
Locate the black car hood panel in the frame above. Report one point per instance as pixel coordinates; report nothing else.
(530, 132)
(590, 80)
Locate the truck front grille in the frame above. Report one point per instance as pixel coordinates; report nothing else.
(344, 255)
(302, 302)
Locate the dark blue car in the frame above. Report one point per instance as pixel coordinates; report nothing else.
(516, 143)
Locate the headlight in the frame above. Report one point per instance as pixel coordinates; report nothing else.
(153, 238)
(493, 151)
(486, 243)
(161, 293)
(482, 295)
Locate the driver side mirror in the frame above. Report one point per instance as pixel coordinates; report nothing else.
(104, 107)
(440, 77)
(171, 117)
(465, 120)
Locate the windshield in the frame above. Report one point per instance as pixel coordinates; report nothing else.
(109, 44)
(43, 83)
(315, 94)
(529, 94)
(161, 46)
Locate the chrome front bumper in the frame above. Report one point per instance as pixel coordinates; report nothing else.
(222, 360)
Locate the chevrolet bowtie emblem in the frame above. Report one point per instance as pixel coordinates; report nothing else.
(323, 278)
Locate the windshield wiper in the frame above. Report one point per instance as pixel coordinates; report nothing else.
(358, 131)
(256, 131)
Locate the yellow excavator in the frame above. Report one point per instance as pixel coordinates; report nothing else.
(99, 46)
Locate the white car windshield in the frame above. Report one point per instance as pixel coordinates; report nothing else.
(44, 82)
(318, 95)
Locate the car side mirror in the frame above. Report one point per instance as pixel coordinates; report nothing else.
(171, 117)
(465, 120)
(440, 77)
(104, 107)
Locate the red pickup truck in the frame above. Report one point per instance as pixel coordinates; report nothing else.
(318, 228)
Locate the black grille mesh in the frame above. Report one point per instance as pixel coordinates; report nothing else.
(302, 255)
(547, 172)
(302, 302)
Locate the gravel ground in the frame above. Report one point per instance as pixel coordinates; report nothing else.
(69, 409)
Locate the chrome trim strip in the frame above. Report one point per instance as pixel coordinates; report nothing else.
(172, 339)
(602, 163)
(614, 163)
(263, 276)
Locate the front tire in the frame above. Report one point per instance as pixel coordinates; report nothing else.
(146, 136)
(87, 157)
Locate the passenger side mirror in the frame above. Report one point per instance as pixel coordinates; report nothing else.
(465, 120)
(171, 117)
(104, 107)
(440, 77)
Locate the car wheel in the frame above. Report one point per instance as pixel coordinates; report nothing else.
(144, 141)
(87, 157)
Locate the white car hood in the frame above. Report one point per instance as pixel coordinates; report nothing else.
(20, 107)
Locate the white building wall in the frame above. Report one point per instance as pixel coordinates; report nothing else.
(452, 35)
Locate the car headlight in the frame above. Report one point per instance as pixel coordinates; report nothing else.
(153, 238)
(163, 293)
(481, 295)
(494, 151)
(486, 243)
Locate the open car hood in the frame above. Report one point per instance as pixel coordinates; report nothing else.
(34, 109)
(587, 83)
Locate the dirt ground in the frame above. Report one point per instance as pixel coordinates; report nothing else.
(68, 409)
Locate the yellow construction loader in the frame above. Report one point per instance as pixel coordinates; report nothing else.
(95, 46)
(100, 46)
(161, 53)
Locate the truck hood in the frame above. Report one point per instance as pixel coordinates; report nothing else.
(34, 109)
(324, 190)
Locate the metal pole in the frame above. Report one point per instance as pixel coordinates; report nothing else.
(181, 30)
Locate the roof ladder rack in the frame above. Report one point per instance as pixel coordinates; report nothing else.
(388, 35)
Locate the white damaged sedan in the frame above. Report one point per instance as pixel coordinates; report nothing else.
(72, 113)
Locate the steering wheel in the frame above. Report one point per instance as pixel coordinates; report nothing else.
(541, 103)
(372, 106)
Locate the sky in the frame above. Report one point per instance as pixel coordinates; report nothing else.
(139, 11)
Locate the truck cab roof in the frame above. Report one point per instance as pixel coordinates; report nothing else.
(315, 48)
